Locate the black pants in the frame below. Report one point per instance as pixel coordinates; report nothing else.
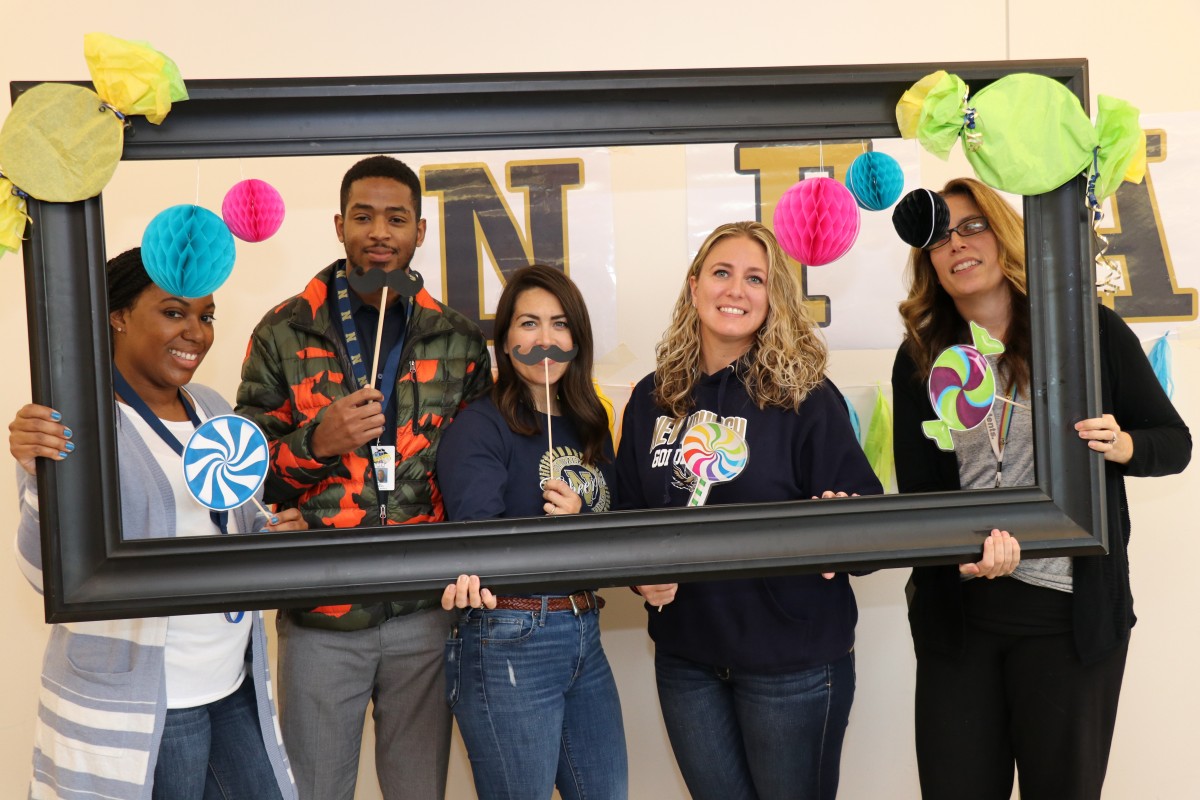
(1023, 699)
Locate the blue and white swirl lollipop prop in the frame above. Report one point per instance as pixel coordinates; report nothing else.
(224, 463)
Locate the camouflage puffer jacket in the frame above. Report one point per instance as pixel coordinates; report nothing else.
(296, 365)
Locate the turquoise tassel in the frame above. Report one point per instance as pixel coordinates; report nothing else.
(1160, 361)
(854, 423)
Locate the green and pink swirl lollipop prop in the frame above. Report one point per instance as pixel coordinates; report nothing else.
(962, 388)
(714, 453)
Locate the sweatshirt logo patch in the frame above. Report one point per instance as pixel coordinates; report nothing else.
(566, 464)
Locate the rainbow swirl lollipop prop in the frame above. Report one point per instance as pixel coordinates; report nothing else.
(714, 453)
(962, 387)
(224, 463)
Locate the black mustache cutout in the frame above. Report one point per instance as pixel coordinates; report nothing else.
(537, 354)
(402, 282)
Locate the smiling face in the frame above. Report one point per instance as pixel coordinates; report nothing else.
(538, 319)
(969, 268)
(379, 228)
(160, 340)
(730, 296)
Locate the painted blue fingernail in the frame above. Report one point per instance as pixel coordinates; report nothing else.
(274, 520)
(54, 415)
(70, 447)
(67, 432)
(61, 454)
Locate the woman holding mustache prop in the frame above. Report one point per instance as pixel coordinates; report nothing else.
(526, 675)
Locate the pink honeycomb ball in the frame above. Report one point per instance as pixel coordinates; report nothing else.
(817, 221)
(253, 210)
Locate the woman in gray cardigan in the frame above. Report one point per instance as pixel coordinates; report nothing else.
(170, 707)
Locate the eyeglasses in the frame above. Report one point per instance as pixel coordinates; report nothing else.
(968, 227)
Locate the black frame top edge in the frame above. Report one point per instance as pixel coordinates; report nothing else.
(1066, 70)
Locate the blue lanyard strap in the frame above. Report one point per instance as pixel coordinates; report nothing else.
(391, 365)
(341, 288)
(135, 401)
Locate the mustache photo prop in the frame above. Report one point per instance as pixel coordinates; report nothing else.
(405, 283)
(537, 353)
(545, 355)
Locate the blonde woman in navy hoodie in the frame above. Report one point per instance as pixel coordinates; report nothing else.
(755, 676)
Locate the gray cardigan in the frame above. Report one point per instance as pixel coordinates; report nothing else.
(103, 695)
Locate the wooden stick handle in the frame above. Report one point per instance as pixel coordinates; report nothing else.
(378, 336)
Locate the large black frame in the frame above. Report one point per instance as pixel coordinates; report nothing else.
(91, 573)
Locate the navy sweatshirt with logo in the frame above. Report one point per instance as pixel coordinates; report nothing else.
(770, 625)
(486, 471)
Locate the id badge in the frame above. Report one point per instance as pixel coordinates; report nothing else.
(384, 457)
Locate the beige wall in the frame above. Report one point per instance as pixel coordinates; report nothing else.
(1149, 58)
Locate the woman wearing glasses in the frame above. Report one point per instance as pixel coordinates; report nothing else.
(1024, 668)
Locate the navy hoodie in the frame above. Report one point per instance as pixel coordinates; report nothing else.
(770, 625)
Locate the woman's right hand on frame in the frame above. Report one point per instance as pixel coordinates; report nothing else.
(466, 592)
(560, 499)
(658, 594)
(1001, 555)
(36, 432)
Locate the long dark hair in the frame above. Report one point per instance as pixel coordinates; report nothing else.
(577, 396)
(931, 320)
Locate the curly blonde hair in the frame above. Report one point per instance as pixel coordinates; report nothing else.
(931, 320)
(788, 357)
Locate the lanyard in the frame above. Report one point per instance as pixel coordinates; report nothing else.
(391, 365)
(134, 401)
(998, 435)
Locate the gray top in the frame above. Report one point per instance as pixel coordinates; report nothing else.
(977, 470)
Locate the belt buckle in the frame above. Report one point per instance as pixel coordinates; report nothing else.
(576, 609)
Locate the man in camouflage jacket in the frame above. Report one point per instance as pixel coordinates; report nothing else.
(298, 384)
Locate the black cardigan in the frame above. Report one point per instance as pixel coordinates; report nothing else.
(1103, 604)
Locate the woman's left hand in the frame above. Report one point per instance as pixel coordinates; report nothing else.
(1105, 436)
(290, 519)
(466, 591)
(1001, 555)
(560, 499)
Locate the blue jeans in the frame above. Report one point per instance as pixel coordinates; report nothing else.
(215, 752)
(537, 705)
(755, 736)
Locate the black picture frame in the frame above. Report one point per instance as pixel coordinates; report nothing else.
(91, 573)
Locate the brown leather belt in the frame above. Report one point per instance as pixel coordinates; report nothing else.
(578, 603)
